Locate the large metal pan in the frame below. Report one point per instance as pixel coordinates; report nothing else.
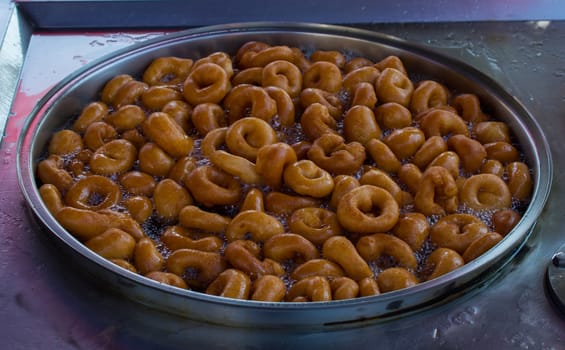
(70, 95)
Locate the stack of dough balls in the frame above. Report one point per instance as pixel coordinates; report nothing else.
(268, 174)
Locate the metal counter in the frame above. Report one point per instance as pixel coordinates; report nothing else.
(47, 303)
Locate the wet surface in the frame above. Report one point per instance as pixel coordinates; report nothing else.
(51, 304)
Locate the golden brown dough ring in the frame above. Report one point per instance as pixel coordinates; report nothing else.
(448, 160)
(324, 76)
(331, 101)
(441, 122)
(283, 74)
(343, 184)
(405, 142)
(316, 121)
(207, 83)
(192, 217)
(432, 147)
(52, 198)
(442, 261)
(392, 115)
(519, 180)
(469, 108)
(231, 283)
(268, 288)
(395, 278)
(410, 175)
(306, 178)
(379, 178)
(93, 112)
(112, 87)
(317, 267)
(259, 54)
(340, 250)
(368, 286)
(503, 221)
(331, 153)
(374, 246)
(157, 97)
(258, 225)
(272, 160)
(169, 198)
(382, 155)
(315, 224)
(315, 288)
(249, 101)
(129, 93)
(93, 192)
(154, 161)
(207, 117)
(485, 191)
(289, 246)
(177, 237)
(244, 255)
(366, 74)
(334, 57)
(246, 136)
(196, 267)
(364, 95)
(394, 86)
(413, 228)
(167, 278)
(147, 257)
(115, 157)
(437, 193)
(167, 71)
(428, 94)
(355, 207)
(470, 151)
(359, 125)
(251, 76)
(126, 117)
(65, 142)
(286, 110)
(285, 204)
(112, 244)
(457, 231)
(479, 246)
(230, 163)
(166, 133)
(181, 112)
(98, 134)
(220, 58)
(211, 186)
(344, 288)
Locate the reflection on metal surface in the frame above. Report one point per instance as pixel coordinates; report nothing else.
(558, 259)
(12, 51)
(541, 24)
(46, 69)
(556, 278)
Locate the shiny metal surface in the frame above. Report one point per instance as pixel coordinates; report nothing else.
(556, 278)
(68, 97)
(14, 36)
(50, 305)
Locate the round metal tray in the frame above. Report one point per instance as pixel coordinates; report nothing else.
(69, 96)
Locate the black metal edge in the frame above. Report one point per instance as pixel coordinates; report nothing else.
(98, 14)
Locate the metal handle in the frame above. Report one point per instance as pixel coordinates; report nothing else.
(556, 278)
